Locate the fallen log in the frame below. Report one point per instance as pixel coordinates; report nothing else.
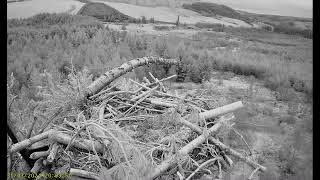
(222, 110)
(27, 142)
(80, 143)
(111, 75)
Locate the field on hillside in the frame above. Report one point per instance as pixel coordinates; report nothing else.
(25, 9)
(166, 14)
(52, 58)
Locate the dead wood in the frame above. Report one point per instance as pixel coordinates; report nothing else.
(169, 162)
(32, 126)
(80, 143)
(111, 75)
(222, 146)
(53, 152)
(37, 166)
(26, 143)
(39, 154)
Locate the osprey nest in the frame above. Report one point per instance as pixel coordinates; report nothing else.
(141, 132)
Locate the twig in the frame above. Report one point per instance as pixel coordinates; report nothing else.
(146, 80)
(242, 138)
(161, 80)
(201, 166)
(143, 98)
(144, 94)
(183, 151)
(32, 126)
(116, 139)
(50, 120)
(112, 94)
(104, 91)
(251, 175)
(222, 146)
(180, 175)
(94, 150)
(101, 111)
(156, 80)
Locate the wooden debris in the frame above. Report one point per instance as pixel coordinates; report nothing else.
(53, 152)
(108, 129)
(39, 154)
(109, 76)
(183, 151)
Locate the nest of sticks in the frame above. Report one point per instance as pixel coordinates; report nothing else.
(141, 132)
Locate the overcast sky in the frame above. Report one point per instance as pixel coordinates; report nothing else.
(298, 8)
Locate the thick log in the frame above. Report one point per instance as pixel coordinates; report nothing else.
(111, 75)
(169, 162)
(78, 143)
(160, 103)
(222, 110)
(26, 143)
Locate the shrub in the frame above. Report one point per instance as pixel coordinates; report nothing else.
(201, 68)
(161, 28)
(123, 27)
(143, 20)
(152, 20)
(212, 26)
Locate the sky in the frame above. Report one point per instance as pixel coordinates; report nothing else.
(297, 8)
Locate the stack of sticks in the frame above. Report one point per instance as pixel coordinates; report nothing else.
(150, 99)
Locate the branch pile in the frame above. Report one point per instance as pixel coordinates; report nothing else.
(141, 132)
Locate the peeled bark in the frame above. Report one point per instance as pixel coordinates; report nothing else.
(111, 75)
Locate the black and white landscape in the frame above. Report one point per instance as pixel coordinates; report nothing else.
(160, 89)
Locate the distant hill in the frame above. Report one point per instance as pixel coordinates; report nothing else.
(213, 9)
(277, 20)
(285, 24)
(155, 3)
(103, 12)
